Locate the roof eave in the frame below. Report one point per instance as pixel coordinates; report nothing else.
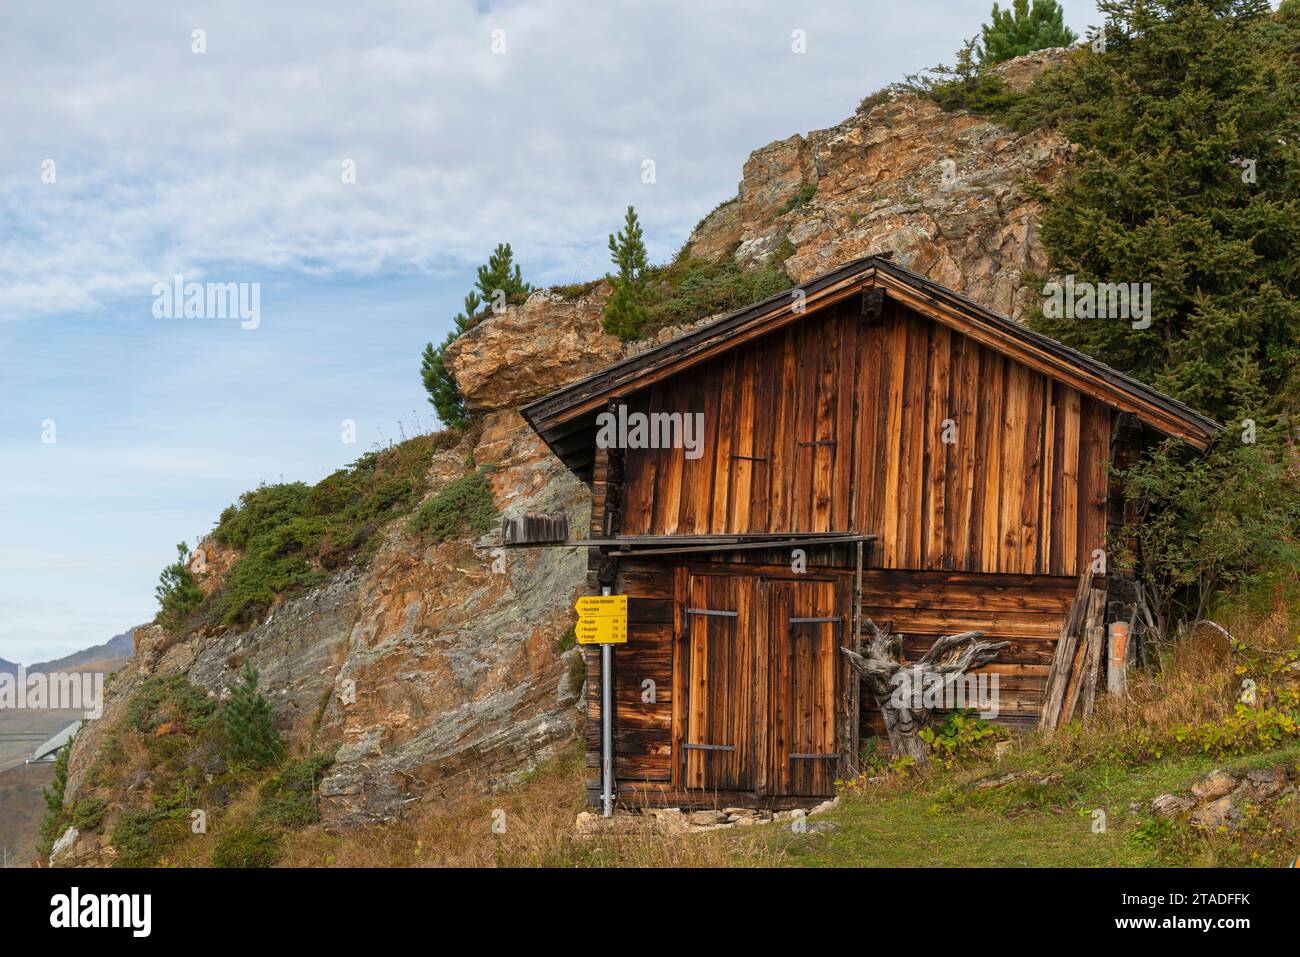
(1161, 412)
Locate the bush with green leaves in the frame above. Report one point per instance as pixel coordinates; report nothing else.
(290, 535)
(248, 845)
(802, 198)
(690, 289)
(142, 836)
(465, 504)
(167, 699)
(1022, 29)
(961, 735)
(251, 737)
(1205, 523)
(966, 85)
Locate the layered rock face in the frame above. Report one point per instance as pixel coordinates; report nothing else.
(435, 668)
(943, 192)
(525, 351)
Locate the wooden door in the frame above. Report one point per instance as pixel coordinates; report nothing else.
(804, 637)
(718, 746)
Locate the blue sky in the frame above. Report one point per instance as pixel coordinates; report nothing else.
(225, 166)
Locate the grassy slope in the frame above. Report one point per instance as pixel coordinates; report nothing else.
(916, 828)
(899, 823)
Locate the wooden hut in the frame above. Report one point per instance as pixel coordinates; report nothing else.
(935, 465)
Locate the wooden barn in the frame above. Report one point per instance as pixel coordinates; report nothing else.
(873, 446)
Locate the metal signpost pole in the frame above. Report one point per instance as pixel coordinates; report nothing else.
(607, 725)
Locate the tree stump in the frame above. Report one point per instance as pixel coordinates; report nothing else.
(879, 668)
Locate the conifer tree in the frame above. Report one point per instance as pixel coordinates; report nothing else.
(1187, 118)
(56, 818)
(246, 717)
(1023, 29)
(178, 592)
(499, 281)
(625, 310)
(1188, 177)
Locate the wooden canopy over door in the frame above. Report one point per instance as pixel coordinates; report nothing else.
(760, 684)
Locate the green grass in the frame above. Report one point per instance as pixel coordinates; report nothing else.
(920, 825)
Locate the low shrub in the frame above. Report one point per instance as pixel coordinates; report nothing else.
(466, 503)
(247, 845)
(87, 814)
(961, 735)
(142, 837)
(690, 289)
(290, 797)
(290, 535)
(168, 699)
(802, 198)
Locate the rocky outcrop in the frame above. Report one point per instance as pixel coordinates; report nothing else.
(1220, 800)
(434, 668)
(943, 192)
(528, 350)
(453, 657)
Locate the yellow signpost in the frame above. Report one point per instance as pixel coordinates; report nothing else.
(602, 620)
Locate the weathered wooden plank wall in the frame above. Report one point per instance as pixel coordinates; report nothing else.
(1024, 610)
(956, 456)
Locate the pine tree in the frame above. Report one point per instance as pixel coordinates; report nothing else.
(1023, 29)
(246, 717)
(177, 592)
(1188, 177)
(55, 821)
(444, 394)
(499, 281)
(625, 310)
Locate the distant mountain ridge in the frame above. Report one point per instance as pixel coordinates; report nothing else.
(117, 649)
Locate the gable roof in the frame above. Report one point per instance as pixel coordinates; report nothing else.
(565, 419)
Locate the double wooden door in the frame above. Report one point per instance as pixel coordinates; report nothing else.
(759, 684)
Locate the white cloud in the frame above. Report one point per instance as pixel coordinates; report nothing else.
(229, 161)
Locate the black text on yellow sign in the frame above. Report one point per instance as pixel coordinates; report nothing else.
(602, 620)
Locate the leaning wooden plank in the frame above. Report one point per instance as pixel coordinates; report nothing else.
(1096, 630)
(1059, 676)
(1078, 666)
